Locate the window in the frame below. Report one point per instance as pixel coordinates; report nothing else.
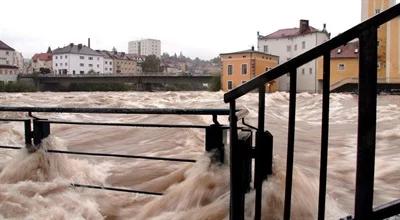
(81, 64)
(81, 57)
(65, 64)
(56, 64)
(90, 65)
(295, 47)
(81, 72)
(244, 56)
(244, 68)
(7, 53)
(60, 64)
(303, 45)
(289, 48)
(65, 56)
(267, 69)
(341, 66)
(310, 70)
(106, 68)
(73, 72)
(110, 63)
(98, 65)
(56, 57)
(265, 48)
(230, 84)
(90, 58)
(106, 62)
(302, 71)
(230, 69)
(377, 11)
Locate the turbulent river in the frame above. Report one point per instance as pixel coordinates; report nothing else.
(37, 185)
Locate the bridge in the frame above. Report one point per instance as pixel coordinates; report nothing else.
(137, 81)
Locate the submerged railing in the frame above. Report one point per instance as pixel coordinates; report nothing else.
(366, 32)
(36, 129)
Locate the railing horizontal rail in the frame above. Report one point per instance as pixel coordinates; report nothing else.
(10, 147)
(164, 111)
(387, 210)
(109, 155)
(12, 119)
(312, 54)
(129, 124)
(116, 189)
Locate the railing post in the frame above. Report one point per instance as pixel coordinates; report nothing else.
(324, 135)
(245, 139)
(28, 135)
(41, 130)
(215, 142)
(290, 150)
(366, 125)
(236, 211)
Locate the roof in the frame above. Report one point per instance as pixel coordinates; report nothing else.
(350, 50)
(115, 55)
(42, 56)
(248, 51)
(8, 67)
(76, 49)
(289, 32)
(4, 46)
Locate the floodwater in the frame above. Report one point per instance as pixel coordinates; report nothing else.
(37, 185)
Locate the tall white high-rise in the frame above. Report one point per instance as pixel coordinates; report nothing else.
(145, 47)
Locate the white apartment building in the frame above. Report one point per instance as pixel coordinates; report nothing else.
(77, 59)
(145, 47)
(289, 43)
(9, 63)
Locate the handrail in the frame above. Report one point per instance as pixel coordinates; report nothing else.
(312, 54)
(167, 111)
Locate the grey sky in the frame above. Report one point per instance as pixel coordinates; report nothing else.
(197, 28)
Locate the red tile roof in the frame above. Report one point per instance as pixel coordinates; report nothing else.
(289, 32)
(42, 57)
(4, 46)
(350, 50)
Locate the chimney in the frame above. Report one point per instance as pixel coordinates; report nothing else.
(88, 42)
(71, 44)
(324, 29)
(79, 46)
(303, 26)
(252, 48)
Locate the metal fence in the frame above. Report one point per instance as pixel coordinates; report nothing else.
(366, 32)
(37, 129)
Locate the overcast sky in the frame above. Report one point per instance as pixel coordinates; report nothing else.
(201, 28)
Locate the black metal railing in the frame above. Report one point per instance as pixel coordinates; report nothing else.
(36, 129)
(366, 32)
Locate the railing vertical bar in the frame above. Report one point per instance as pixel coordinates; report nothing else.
(290, 150)
(258, 176)
(366, 138)
(236, 211)
(324, 135)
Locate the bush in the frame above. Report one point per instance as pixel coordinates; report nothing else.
(17, 87)
(215, 83)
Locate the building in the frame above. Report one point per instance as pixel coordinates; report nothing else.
(108, 65)
(291, 42)
(9, 68)
(9, 59)
(388, 39)
(240, 67)
(77, 59)
(344, 64)
(121, 62)
(42, 63)
(145, 47)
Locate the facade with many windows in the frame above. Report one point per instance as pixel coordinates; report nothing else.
(77, 59)
(9, 63)
(240, 67)
(289, 43)
(145, 47)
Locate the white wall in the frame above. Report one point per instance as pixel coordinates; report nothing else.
(72, 63)
(108, 66)
(307, 81)
(7, 57)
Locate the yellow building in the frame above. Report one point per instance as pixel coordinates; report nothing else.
(240, 67)
(388, 39)
(344, 65)
(388, 50)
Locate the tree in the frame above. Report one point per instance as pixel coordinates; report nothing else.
(49, 50)
(151, 64)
